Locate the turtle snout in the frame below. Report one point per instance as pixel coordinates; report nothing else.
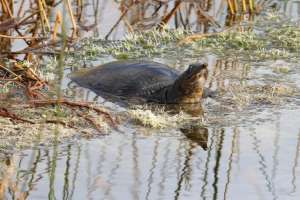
(204, 65)
(197, 67)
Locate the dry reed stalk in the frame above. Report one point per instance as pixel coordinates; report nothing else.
(69, 7)
(44, 3)
(251, 6)
(235, 5)
(166, 19)
(21, 8)
(43, 15)
(200, 36)
(79, 9)
(126, 22)
(207, 16)
(231, 7)
(27, 17)
(58, 21)
(19, 37)
(244, 6)
(119, 20)
(6, 8)
(11, 72)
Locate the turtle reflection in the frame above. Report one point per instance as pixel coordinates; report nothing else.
(197, 134)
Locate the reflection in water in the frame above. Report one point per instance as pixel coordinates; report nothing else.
(164, 172)
(233, 151)
(153, 167)
(67, 174)
(197, 134)
(114, 170)
(220, 141)
(263, 167)
(206, 168)
(136, 169)
(76, 171)
(194, 110)
(275, 157)
(295, 165)
(185, 173)
(132, 166)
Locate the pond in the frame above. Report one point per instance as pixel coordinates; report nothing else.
(247, 146)
(260, 161)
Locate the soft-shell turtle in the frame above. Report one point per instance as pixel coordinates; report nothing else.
(145, 80)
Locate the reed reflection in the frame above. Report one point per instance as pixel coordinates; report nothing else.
(200, 164)
(295, 165)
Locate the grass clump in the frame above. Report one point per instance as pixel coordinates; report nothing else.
(264, 39)
(283, 42)
(47, 121)
(137, 44)
(285, 37)
(156, 118)
(242, 96)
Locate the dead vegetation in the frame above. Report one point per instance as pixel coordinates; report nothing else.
(45, 121)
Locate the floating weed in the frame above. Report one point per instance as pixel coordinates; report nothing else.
(242, 96)
(47, 121)
(149, 118)
(268, 43)
(92, 50)
(286, 37)
(282, 69)
(156, 118)
(138, 44)
(254, 44)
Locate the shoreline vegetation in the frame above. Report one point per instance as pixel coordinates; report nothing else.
(33, 104)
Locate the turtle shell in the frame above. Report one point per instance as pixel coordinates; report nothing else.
(127, 79)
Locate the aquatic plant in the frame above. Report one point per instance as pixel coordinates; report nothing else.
(157, 118)
(251, 43)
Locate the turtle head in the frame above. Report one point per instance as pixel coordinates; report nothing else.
(196, 73)
(194, 77)
(190, 84)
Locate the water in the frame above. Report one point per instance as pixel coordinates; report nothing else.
(260, 161)
(250, 153)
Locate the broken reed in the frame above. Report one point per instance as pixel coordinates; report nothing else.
(39, 13)
(244, 6)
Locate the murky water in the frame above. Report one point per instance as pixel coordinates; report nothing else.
(249, 153)
(259, 161)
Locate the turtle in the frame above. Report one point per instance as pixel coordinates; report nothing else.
(147, 81)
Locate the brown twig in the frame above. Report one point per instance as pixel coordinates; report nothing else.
(20, 37)
(166, 19)
(200, 36)
(90, 120)
(55, 121)
(5, 113)
(119, 20)
(74, 104)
